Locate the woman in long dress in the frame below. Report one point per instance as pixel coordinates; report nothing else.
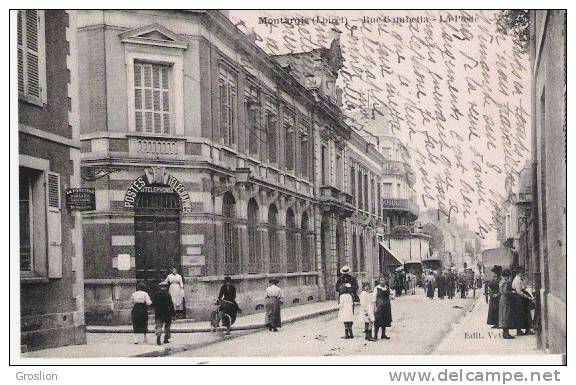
(430, 282)
(176, 289)
(273, 298)
(382, 309)
(506, 306)
(494, 297)
(441, 283)
(140, 302)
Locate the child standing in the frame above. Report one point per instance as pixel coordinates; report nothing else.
(346, 310)
(367, 310)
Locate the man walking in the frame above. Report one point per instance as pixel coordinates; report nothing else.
(163, 312)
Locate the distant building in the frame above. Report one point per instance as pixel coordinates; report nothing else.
(548, 66)
(51, 276)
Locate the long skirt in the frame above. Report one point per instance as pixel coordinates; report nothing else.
(176, 293)
(230, 308)
(140, 318)
(493, 304)
(273, 319)
(383, 314)
(510, 314)
(429, 290)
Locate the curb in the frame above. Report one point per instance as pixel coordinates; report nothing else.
(249, 329)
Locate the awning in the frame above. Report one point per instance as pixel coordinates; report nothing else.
(388, 258)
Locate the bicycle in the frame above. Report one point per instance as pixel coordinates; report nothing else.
(219, 317)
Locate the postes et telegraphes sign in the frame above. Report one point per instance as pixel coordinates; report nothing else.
(81, 199)
(158, 180)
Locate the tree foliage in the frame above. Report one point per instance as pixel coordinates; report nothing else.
(436, 237)
(515, 23)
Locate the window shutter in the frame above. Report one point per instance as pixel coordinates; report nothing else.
(54, 222)
(32, 59)
(20, 54)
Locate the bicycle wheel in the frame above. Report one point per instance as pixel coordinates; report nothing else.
(214, 321)
(226, 322)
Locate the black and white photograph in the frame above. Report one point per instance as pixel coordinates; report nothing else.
(289, 186)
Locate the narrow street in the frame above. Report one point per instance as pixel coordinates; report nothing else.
(419, 324)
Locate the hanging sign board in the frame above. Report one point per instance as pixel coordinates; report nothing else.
(81, 199)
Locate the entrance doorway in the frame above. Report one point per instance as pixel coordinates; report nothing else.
(157, 234)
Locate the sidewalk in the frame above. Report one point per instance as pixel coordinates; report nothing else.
(472, 336)
(117, 341)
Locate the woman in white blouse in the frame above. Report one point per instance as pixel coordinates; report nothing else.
(274, 297)
(176, 289)
(140, 302)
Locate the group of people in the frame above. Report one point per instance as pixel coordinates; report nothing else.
(375, 309)
(403, 282)
(448, 282)
(168, 300)
(509, 302)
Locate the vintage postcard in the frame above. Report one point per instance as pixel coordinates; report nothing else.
(378, 186)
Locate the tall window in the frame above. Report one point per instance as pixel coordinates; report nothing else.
(372, 195)
(379, 199)
(252, 121)
(292, 258)
(152, 98)
(399, 189)
(31, 55)
(339, 171)
(231, 238)
(254, 242)
(362, 266)
(26, 215)
(227, 89)
(354, 252)
(353, 181)
(386, 151)
(273, 239)
(360, 195)
(289, 139)
(387, 190)
(304, 155)
(307, 243)
(324, 160)
(366, 204)
(271, 137)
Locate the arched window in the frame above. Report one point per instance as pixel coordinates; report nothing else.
(273, 239)
(231, 239)
(292, 258)
(254, 238)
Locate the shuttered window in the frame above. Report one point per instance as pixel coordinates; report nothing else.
(31, 56)
(227, 89)
(26, 215)
(152, 101)
(289, 146)
(304, 155)
(271, 137)
(273, 243)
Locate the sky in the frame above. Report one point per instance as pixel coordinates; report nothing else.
(454, 89)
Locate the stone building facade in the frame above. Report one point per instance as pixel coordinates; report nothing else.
(205, 154)
(548, 66)
(51, 277)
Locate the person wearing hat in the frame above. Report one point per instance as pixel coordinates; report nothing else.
(163, 312)
(382, 308)
(228, 295)
(493, 291)
(346, 309)
(506, 318)
(344, 278)
(274, 297)
(524, 302)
